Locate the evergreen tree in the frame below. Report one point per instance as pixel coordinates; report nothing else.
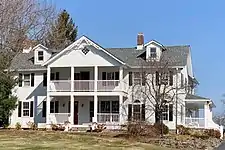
(62, 33)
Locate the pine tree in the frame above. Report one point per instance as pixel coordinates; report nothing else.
(62, 33)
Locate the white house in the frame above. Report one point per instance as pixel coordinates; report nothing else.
(86, 83)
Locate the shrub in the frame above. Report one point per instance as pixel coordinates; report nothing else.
(212, 133)
(18, 126)
(57, 127)
(183, 130)
(32, 125)
(161, 126)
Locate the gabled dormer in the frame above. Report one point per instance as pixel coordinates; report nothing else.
(41, 54)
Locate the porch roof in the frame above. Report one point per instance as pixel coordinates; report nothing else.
(195, 98)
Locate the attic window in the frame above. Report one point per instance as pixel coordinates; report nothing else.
(153, 52)
(85, 51)
(40, 56)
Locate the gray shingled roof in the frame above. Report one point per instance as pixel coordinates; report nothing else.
(24, 61)
(176, 54)
(190, 96)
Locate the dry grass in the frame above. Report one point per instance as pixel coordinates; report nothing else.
(37, 140)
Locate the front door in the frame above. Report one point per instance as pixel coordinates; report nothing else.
(76, 112)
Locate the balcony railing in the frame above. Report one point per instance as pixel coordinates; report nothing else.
(86, 85)
(195, 122)
(108, 117)
(59, 118)
(60, 85)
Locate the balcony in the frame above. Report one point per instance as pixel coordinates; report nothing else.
(86, 86)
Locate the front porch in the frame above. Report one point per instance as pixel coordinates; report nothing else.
(81, 110)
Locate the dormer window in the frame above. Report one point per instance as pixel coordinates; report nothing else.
(40, 56)
(153, 52)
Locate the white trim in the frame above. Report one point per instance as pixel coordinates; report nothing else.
(76, 43)
(153, 42)
(40, 45)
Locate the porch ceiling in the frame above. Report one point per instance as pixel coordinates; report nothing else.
(199, 104)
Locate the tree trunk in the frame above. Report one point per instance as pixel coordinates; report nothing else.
(157, 115)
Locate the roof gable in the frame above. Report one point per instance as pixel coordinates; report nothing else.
(80, 44)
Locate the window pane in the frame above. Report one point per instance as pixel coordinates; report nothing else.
(52, 107)
(25, 105)
(25, 112)
(105, 106)
(26, 76)
(136, 112)
(115, 106)
(26, 83)
(40, 55)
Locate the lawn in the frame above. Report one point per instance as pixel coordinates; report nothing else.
(36, 140)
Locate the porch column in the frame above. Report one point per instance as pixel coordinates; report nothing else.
(96, 79)
(121, 78)
(95, 119)
(48, 99)
(72, 79)
(71, 109)
(206, 113)
(121, 109)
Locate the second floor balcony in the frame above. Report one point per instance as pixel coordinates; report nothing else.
(86, 79)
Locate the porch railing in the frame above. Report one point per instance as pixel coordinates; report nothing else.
(195, 122)
(108, 117)
(108, 85)
(59, 118)
(60, 85)
(84, 85)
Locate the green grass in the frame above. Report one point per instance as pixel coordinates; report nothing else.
(44, 140)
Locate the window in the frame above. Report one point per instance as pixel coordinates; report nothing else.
(40, 56)
(110, 76)
(105, 106)
(167, 113)
(44, 79)
(137, 78)
(115, 106)
(91, 110)
(25, 108)
(164, 78)
(54, 107)
(137, 111)
(153, 52)
(26, 80)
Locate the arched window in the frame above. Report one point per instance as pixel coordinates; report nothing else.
(136, 111)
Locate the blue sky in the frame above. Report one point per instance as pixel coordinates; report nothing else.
(200, 24)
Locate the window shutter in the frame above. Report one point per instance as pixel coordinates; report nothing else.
(129, 112)
(170, 112)
(130, 79)
(56, 106)
(103, 75)
(44, 109)
(52, 110)
(143, 78)
(157, 78)
(31, 109)
(44, 79)
(117, 75)
(171, 78)
(52, 76)
(20, 79)
(32, 79)
(57, 75)
(182, 80)
(143, 112)
(19, 109)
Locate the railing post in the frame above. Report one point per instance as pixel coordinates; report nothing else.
(72, 79)
(121, 79)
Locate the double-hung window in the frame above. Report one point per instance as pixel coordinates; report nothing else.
(26, 80)
(26, 109)
(40, 55)
(153, 52)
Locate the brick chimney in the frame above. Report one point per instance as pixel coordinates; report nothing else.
(140, 41)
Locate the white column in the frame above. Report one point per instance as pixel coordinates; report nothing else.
(206, 113)
(71, 109)
(95, 108)
(72, 79)
(96, 79)
(48, 99)
(121, 108)
(121, 78)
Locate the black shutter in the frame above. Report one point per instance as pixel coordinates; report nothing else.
(143, 112)
(171, 78)
(44, 109)
(32, 79)
(117, 75)
(44, 79)
(103, 75)
(56, 106)
(57, 75)
(170, 112)
(129, 112)
(157, 78)
(52, 110)
(20, 79)
(143, 78)
(31, 109)
(130, 79)
(19, 109)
